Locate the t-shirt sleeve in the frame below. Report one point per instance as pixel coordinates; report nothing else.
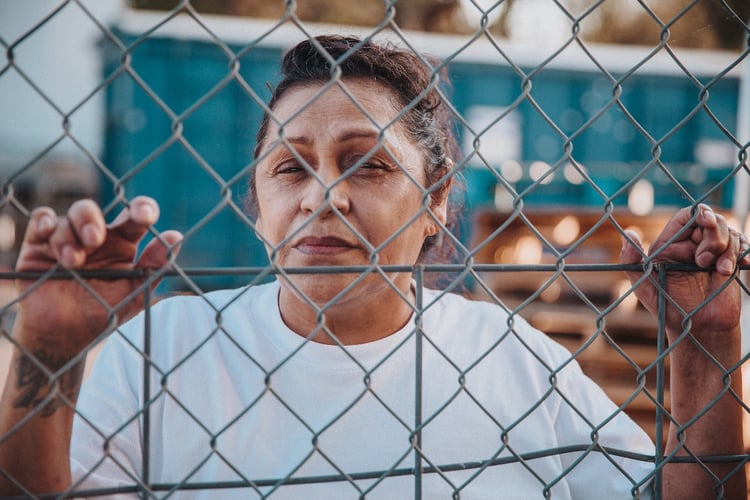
(106, 439)
(612, 456)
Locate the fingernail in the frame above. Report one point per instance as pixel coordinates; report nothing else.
(90, 235)
(725, 266)
(68, 257)
(708, 213)
(45, 224)
(145, 211)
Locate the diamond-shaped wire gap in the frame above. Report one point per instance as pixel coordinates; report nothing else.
(505, 451)
(278, 483)
(38, 82)
(659, 153)
(194, 204)
(462, 390)
(216, 93)
(195, 97)
(594, 446)
(638, 102)
(682, 128)
(137, 483)
(542, 187)
(54, 103)
(76, 98)
(397, 460)
(188, 407)
(412, 337)
(249, 406)
(596, 139)
(52, 138)
(198, 461)
(131, 420)
(137, 91)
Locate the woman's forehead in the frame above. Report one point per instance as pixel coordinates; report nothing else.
(357, 103)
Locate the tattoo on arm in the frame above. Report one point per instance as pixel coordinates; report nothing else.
(39, 388)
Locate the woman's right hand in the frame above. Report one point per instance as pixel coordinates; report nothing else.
(64, 315)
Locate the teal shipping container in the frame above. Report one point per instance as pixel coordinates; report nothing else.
(182, 113)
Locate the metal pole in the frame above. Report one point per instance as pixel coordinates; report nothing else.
(741, 205)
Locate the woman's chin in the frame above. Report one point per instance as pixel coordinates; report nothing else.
(337, 289)
(322, 290)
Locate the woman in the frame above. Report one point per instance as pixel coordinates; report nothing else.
(337, 385)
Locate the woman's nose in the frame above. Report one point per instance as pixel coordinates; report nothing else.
(326, 192)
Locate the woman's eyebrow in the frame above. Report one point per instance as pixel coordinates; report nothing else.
(346, 135)
(295, 139)
(363, 133)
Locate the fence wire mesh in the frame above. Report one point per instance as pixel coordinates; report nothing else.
(550, 190)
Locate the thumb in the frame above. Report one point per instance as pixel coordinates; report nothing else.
(160, 250)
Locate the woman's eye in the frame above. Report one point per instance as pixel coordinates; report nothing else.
(368, 166)
(372, 166)
(290, 167)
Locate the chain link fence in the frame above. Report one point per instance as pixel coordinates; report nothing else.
(563, 149)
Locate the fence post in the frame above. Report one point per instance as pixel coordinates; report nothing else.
(741, 204)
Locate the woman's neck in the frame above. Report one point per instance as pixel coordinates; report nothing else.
(366, 313)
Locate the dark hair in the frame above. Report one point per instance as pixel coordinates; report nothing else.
(414, 84)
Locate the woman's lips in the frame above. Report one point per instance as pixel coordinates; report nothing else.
(323, 245)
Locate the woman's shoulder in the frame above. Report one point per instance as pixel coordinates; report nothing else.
(486, 323)
(188, 314)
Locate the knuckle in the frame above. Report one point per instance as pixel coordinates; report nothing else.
(40, 212)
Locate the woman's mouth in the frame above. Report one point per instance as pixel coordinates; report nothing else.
(323, 245)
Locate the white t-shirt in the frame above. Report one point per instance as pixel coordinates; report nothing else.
(237, 397)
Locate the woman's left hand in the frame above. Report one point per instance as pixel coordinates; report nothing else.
(706, 240)
(705, 414)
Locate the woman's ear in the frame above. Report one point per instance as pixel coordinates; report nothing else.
(439, 207)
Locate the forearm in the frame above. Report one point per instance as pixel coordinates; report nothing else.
(36, 418)
(695, 383)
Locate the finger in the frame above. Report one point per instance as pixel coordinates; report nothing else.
(42, 223)
(716, 247)
(65, 246)
(159, 250)
(87, 223)
(134, 220)
(735, 253)
(744, 249)
(684, 218)
(81, 231)
(36, 252)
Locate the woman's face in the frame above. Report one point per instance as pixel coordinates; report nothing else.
(362, 194)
